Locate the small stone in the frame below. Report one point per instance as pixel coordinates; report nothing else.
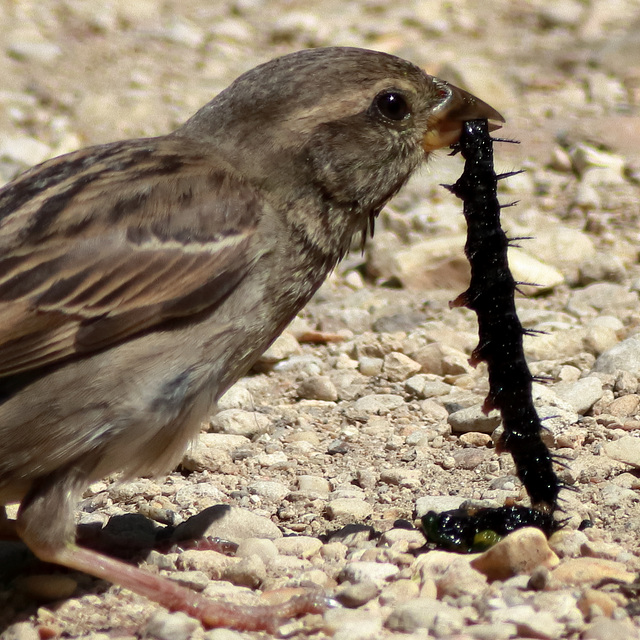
(370, 366)
(24, 149)
(497, 631)
(518, 553)
(241, 423)
(527, 269)
(580, 395)
(274, 491)
(603, 296)
(264, 548)
(318, 388)
(21, 631)
(474, 419)
(579, 571)
(229, 523)
(284, 347)
(593, 597)
(399, 591)
(300, 546)
(378, 403)
(314, 484)
(353, 624)
(377, 573)
(605, 629)
(624, 406)
(348, 509)
(398, 367)
(402, 477)
(599, 339)
(625, 356)
(625, 449)
(248, 572)
(470, 458)
(426, 613)
(475, 439)
(238, 397)
(529, 622)
(438, 504)
(356, 595)
(567, 543)
(171, 626)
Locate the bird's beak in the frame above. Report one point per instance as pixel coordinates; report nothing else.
(457, 106)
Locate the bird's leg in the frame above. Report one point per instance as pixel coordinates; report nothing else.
(45, 524)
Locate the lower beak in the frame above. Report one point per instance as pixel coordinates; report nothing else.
(457, 107)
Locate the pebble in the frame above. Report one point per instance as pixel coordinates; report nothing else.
(24, 149)
(592, 597)
(397, 367)
(529, 622)
(348, 509)
(610, 630)
(352, 624)
(603, 296)
(435, 616)
(518, 553)
(171, 626)
(378, 403)
(580, 395)
(370, 366)
(249, 571)
(474, 419)
(362, 571)
(300, 546)
(314, 484)
(274, 491)
(402, 477)
(625, 449)
(567, 543)
(488, 631)
(399, 591)
(317, 388)
(624, 406)
(536, 276)
(437, 504)
(285, 346)
(229, 523)
(241, 423)
(625, 356)
(583, 571)
(21, 631)
(238, 397)
(264, 548)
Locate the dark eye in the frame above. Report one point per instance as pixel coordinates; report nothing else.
(392, 105)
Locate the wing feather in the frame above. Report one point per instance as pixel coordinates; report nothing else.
(117, 240)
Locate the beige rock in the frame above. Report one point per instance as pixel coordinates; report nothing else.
(519, 552)
(578, 571)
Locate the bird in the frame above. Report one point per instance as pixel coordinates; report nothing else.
(140, 279)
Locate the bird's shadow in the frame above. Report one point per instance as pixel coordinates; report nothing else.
(129, 537)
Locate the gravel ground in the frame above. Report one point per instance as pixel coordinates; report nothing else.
(382, 421)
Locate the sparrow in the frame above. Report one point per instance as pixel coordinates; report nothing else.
(140, 279)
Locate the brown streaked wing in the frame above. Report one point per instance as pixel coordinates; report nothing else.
(144, 233)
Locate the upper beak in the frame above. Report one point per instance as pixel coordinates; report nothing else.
(457, 107)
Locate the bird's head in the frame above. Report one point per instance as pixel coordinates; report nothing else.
(345, 125)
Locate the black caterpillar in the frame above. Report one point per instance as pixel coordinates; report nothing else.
(491, 296)
(470, 531)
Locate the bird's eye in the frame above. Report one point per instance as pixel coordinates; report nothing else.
(392, 105)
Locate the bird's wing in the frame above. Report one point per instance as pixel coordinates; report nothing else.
(99, 245)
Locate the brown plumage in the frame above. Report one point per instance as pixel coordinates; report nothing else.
(140, 279)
